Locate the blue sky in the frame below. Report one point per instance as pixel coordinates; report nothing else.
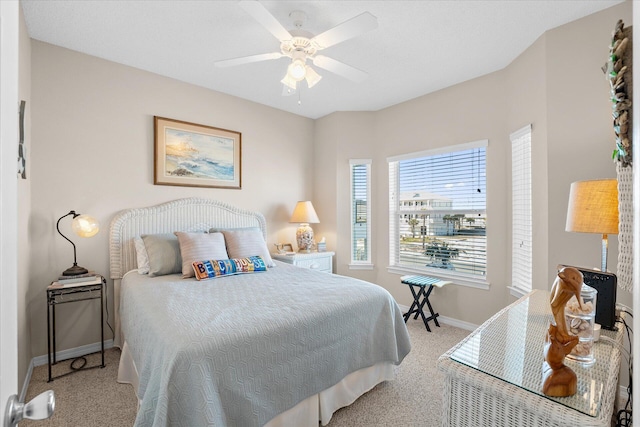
(457, 175)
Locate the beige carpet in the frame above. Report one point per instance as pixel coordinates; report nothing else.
(93, 398)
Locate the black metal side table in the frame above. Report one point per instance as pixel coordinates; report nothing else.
(57, 293)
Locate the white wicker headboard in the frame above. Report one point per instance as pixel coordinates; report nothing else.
(192, 214)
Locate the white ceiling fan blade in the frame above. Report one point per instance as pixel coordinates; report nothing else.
(352, 28)
(340, 68)
(248, 59)
(266, 19)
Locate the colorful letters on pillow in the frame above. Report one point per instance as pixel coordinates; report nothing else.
(211, 269)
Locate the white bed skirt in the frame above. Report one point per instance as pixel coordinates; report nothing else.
(307, 413)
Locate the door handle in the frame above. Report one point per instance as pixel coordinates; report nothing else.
(39, 408)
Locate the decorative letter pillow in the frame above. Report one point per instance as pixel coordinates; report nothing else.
(248, 242)
(141, 255)
(163, 251)
(225, 267)
(197, 246)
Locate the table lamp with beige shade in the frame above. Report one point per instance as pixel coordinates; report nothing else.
(304, 214)
(593, 208)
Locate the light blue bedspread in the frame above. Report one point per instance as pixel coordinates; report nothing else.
(238, 350)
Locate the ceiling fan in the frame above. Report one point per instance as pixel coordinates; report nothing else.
(301, 46)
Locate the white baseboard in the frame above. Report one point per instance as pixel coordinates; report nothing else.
(457, 323)
(72, 352)
(25, 385)
(447, 320)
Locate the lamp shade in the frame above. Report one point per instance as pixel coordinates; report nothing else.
(297, 69)
(304, 213)
(312, 77)
(593, 207)
(289, 82)
(85, 226)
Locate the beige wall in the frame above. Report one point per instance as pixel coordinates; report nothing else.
(24, 205)
(340, 137)
(580, 135)
(558, 87)
(92, 151)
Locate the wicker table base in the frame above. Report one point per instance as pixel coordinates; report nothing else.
(504, 390)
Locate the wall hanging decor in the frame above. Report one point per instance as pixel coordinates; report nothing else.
(22, 153)
(193, 155)
(618, 72)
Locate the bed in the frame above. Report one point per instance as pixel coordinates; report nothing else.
(282, 347)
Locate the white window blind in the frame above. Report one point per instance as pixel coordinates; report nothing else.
(360, 172)
(437, 211)
(521, 251)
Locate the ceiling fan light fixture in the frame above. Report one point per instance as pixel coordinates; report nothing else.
(289, 82)
(297, 70)
(312, 77)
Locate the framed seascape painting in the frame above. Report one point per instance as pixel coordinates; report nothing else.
(188, 154)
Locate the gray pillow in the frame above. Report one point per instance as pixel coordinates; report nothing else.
(163, 251)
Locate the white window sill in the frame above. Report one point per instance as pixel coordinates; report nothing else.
(360, 266)
(457, 279)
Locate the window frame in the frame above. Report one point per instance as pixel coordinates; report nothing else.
(353, 263)
(480, 282)
(521, 221)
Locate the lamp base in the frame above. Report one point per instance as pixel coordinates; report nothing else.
(76, 270)
(304, 238)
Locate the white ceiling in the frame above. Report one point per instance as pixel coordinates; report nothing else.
(419, 46)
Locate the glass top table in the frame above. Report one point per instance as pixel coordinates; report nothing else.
(511, 348)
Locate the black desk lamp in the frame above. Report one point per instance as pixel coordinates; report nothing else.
(83, 226)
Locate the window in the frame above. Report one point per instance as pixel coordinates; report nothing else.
(521, 247)
(445, 234)
(360, 171)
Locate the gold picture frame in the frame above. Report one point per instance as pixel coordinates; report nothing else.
(193, 155)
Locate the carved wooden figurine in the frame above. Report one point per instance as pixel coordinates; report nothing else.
(560, 380)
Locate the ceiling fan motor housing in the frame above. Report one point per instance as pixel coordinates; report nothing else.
(299, 44)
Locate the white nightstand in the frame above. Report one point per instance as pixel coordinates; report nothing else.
(319, 261)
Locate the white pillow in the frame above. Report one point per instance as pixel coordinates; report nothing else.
(244, 243)
(199, 246)
(142, 256)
